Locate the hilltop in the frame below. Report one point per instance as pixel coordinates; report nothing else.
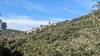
(78, 37)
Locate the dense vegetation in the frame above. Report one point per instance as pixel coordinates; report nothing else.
(78, 37)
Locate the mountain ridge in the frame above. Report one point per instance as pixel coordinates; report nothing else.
(9, 33)
(78, 37)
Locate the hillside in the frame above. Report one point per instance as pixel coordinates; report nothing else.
(9, 33)
(78, 37)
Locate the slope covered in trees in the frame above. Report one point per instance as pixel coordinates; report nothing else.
(78, 37)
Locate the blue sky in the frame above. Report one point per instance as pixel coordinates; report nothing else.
(26, 14)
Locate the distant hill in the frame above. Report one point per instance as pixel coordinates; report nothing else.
(78, 37)
(10, 33)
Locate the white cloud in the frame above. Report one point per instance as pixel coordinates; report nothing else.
(57, 19)
(25, 23)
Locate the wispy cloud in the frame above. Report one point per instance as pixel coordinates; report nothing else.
(76, 7)
(57, 9)
(35, 6)
(84, 3)
(57, 19)
(28, 5)
(68, 9)
(25, 22)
